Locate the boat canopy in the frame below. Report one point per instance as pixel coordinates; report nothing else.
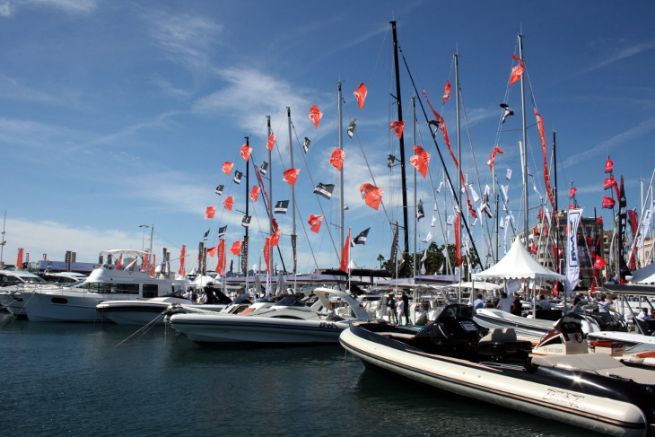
(518, 264)
(645, 275)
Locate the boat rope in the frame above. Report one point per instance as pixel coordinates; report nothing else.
(144, 329)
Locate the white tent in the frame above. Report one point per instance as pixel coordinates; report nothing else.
(645, 275)
(518, 264)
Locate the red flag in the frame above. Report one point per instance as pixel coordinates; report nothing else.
(608, 202)
(275, 238)
(609, 166)
(633, 221)
(270, 143)
(19, 258)
(220, 265)
(609, 182)
(245, 152)
(267, 254)
(210, 212)
(458, 239)
(254, 193)
(599, 263)
(345, 254)
(446, 92)
(398, 127)
(227, 167)
(315, 115)
(517, 70)
(236, 248)
(599, 221)
(119, 262)
(360, 94)
(181, 271)
(541, 129)
(492, 157)
(212, 251)
(153, 266)
(145, 261)
(228, 203)
(420, 160)
(289, 176)
(371, 194)
(337, 157)
(572, 192)
(315, 222)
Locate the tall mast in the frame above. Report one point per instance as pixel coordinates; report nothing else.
(293, 200)
(341, 205)
(458, 129)
(415, 205)
(2, 240)
(244, 251)
(524, 149)
(270, 196)
(401, 139)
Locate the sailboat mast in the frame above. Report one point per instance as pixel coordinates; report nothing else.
(270, 196)
(401, 139)
(524, 148)
(415, 205)
(458, 128)
(293, 199)
(244, 251)
(341, 205)
(2, 240)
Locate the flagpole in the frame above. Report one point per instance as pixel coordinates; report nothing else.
(340, 127)
(459, 160)
(270, 197)
(415, 205)
(293, 199)
(524, 147)
(244, 249)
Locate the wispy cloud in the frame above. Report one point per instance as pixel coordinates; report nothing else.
(9, 8)
(187, 39)
(14, 89)
(619, 55)
(34, 134)
(617, 140)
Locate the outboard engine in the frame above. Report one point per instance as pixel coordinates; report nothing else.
(453, 333)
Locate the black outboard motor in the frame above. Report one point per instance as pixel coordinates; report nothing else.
(453, 333)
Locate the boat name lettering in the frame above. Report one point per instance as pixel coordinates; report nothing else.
(327, 325)
(564, 398)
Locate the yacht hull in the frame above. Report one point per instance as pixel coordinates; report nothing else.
(13, 302)
(481, 382)
(207, 328)
(137, 312)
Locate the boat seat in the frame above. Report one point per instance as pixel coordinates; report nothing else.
(597, 363)
(500, 335)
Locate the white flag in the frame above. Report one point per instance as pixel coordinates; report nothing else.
(440, 187)
(474, 194)
(433, 222)
(428, 238)
(508, 174)
(487, 189)
(572, 252)
(645, 226)
(450, 220)
(505, 190)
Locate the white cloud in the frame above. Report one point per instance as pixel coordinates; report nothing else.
(619, 55)
(6, 9)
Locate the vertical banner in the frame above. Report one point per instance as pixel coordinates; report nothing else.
(244, 256)
(572, 253)
(458, 239)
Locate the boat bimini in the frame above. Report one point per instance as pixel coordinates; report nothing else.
(593, 391)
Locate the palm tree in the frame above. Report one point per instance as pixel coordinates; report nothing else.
(380, 259)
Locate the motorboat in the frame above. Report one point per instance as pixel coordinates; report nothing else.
(453, 354)
(627, 338)
(13, 284)
(491, 318)
(154, 310)
(78, 303)
(280, 323)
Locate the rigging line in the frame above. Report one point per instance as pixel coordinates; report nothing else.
(320, 205)
(434, 139)
(304, 230)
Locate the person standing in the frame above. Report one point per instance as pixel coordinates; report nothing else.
(517, 306)
(405, 300)
(505, 303)
(400, 310)
(391, 308)
(478, 303)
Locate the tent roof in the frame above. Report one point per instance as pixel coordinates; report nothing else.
(518, 264)
(645, 275)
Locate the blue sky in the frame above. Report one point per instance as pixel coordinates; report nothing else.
(120, 113)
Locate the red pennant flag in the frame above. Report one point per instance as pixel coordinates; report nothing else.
(267, 254)
(270, 143)
(315, 115)
(360, 94)
(315, 222)
(397, 127)
(345, 254)
(212, 251)
(245, 152)
(236, 248)
(337, 157)
(227, 167)
(290, 176)
(492, 157)
(181, 271)
(275, 238)
(609, 166)
(541, 129)
(220, 265)
(517, 70)
(608, 202)
(458, 239)
(609, 182)
(228, 203)
(446, 92)
(119, 262)
(420, 160)
(210, 212)
(371, 194)
(254, 193)
(633, 221)
(572, 192)
(19, 258)
(599, 263)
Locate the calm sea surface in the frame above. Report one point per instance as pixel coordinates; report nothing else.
(75, 379)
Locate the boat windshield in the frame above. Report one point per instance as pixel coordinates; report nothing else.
(32, 279)
(113, 288)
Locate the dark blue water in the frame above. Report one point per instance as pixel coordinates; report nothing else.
(73, 379)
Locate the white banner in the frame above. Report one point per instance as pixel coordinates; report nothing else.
(644, 227)
(572, 252)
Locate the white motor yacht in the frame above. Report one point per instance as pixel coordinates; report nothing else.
(13, 285)
(333, 312)
(78, 303)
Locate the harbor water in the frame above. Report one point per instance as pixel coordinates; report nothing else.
(78, 379)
